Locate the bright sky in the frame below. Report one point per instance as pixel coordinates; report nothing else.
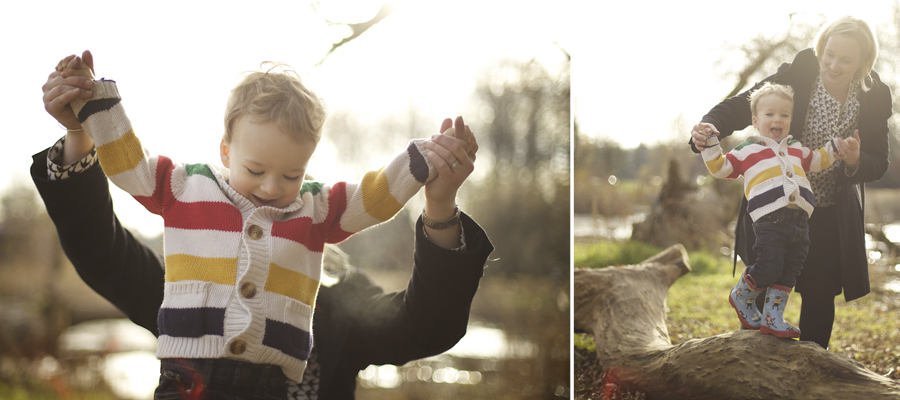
(636, 68)
(175, 62)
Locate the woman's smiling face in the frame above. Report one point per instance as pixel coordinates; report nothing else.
(840, 61)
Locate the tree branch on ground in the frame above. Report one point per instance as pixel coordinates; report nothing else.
(624, 309)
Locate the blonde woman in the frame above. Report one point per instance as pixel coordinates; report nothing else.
(836, 95)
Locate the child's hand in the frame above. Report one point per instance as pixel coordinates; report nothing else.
(469, 137)
(848, 149)
(700, 132)
(454, 159)
(72, 78)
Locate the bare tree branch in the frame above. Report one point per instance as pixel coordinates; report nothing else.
(358, 28)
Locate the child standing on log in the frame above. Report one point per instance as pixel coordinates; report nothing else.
(780, 202)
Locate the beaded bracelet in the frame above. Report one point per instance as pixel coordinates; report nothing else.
(440, 225)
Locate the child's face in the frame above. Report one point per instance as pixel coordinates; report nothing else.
(773, 116)
(266, 165)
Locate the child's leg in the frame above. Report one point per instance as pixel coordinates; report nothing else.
(796, 250)
(773, 313)
(742, 297)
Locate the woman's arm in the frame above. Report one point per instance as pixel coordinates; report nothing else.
(427, 318)
(875, 111)
(106, 256)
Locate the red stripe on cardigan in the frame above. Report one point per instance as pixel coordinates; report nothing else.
(156, 202)
(328, 231)
(806, 162)
(757, 157)
(735, 166)
(210, 215)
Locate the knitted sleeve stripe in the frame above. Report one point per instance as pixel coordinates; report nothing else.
(377, 199)
(122, 154)
(813, 160)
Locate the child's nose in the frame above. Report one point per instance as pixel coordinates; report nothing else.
(270, 187)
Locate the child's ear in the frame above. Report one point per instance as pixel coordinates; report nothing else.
(754, 124)
(223, 153)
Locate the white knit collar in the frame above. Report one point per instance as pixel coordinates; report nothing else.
(242, 203)
(769, 142)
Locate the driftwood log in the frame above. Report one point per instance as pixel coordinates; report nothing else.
(625, 311)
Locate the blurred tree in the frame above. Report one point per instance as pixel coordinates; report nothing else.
(762, 55)
(523, 202)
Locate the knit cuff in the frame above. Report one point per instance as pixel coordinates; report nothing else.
(103, 89)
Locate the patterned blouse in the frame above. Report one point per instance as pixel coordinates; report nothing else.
(824, 120)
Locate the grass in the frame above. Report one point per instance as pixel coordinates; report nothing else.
(865, 329)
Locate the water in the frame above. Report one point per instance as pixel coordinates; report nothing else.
(122, 354)
(610, 228)
(488, 346)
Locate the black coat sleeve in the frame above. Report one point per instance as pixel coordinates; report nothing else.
(733, 114)
(431, 315)
(876, 109)
(106, 256)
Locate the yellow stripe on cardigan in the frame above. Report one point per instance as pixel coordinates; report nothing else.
(185, 267)
(120, 155)
(291, 284)
(823, 161)
(798, 170)
(377, 198)
(715, 165)
(762, 176)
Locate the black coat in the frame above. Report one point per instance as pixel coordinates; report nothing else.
(356, 324)
(733, 114)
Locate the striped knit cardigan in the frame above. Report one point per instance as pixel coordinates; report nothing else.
(774, 173)
(241, 281)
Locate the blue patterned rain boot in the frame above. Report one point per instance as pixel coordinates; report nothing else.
(742, 298)
(776, 301)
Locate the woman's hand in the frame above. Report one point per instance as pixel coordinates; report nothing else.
(72, 78)
(848, 149)
(453, 155)
(700, 132)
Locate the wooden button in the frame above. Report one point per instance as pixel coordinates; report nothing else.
(781, 153)
(790, 174)
(248, 290)
(238, 346)
(792, 198)
(255, 232)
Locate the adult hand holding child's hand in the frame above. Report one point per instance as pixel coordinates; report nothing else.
(848, 149)
(453, 154)
(72, 78)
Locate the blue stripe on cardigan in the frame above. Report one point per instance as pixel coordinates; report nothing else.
(288, 339)
(191, 322)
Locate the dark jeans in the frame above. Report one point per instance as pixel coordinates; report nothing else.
(219, 378)
(782, 243)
